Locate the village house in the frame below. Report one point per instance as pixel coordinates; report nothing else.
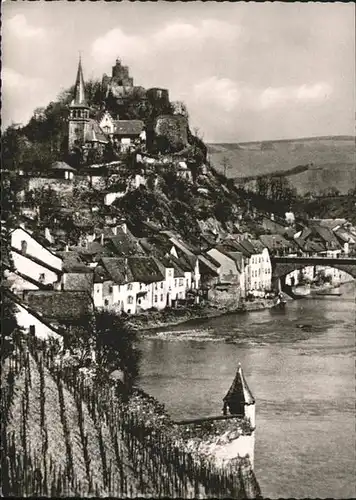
(257, 264)
(323, 236)
(129, 284)
(180, 249)
(178, 271)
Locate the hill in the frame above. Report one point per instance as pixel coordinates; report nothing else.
(331, 161)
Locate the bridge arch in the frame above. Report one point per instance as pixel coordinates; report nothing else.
(282, 266)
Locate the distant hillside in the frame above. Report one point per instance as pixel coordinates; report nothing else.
(332, 161)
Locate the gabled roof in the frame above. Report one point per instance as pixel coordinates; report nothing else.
(257, 246)
(324, 233)
(173, 262)
(128, 127)
(116, 269)
(309, 245)
(95, 133)
(276, 242)
(145, 270)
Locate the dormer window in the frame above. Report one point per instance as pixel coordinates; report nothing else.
(24, 246)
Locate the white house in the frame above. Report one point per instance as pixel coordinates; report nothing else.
(258, 272)
(128, 284)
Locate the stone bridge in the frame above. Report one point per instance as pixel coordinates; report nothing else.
(281, 266)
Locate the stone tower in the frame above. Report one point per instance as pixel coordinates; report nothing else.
(79, 113)
(239, 399)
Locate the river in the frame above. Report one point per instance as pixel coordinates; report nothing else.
(299, 364)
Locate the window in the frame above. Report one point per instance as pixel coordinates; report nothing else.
(139, 301)
(161, 284)
(259, 272)
(110, 289)
(106, 302)
(141, 286)
(156, 298)
(187, 282)
(130, 299)
(129, 311)
(175, 282)
(170, 272)
(129, 286)
(181, 282)
(23, 246)
(156, 286)
(162, 297)
(41, 278)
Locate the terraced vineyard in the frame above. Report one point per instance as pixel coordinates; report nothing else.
(63, 435)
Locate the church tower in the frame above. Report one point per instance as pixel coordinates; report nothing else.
(79, 113)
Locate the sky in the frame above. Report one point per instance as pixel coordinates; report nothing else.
(246, 71)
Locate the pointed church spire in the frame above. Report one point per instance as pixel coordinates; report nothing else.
(79, 88)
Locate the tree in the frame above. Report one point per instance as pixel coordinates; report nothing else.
(112, 340)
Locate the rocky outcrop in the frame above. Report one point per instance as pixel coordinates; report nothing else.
(171, 132)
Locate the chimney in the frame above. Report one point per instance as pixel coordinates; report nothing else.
(102, 239)
(124, 227)
(272, 216)
(125, 269)
(67, 247)
(115, 230)
(48, 235)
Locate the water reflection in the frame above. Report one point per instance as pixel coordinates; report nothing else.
(300, 366)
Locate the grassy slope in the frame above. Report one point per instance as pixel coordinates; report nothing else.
(333, 161)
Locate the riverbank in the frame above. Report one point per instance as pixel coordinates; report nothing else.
(152, 320)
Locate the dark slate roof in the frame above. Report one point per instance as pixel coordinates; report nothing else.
(92, 251)
(172, 261)
(116, 268)
(257, 246)
(60, 305)
(276, 242)
(325, 234)
(124, 244)
(72, 263)
(309, 245)
(128, 127)
(145, 269)
(239, 391)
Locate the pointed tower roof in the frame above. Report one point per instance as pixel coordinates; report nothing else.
(79, 89)
(239, 391)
